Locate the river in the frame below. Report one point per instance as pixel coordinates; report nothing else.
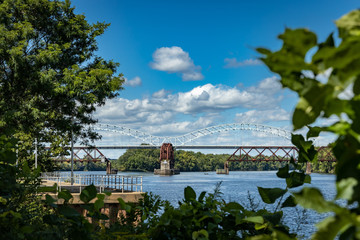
(237, 186)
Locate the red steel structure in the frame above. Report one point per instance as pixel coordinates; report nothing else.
(167, 153)
(275, 153)
(266, 153)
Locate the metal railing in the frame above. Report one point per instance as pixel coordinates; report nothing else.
(111, 183)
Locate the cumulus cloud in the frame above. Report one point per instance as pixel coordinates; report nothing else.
(263, 116)
(234, 63)
(136, 81)
(165, 111)
(208, 98)
(176, 60)
(181, 127)
(269, 86)
(160, 94)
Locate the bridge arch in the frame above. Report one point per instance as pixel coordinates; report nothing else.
(188, 137)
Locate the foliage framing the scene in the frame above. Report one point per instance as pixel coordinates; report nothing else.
(302, 64)
(51, 79)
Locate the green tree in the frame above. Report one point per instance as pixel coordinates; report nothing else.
(138, 160)
(51, 79)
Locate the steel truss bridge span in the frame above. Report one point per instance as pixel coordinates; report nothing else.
(241, 154)
(186, 138)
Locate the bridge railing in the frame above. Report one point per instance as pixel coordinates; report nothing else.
(111, 183)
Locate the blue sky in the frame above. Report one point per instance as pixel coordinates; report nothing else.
(192, 64)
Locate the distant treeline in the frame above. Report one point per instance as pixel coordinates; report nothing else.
(82, 166)
(187, 161)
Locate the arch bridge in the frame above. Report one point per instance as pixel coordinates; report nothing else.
(189, 137)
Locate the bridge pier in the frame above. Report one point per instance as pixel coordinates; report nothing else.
(167, 161)
(109, 170)
(225, 170)
(166, 168)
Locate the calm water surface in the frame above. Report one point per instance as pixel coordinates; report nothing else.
(236, 187)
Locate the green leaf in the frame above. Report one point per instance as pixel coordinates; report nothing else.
(124, 206)
(255, 219)
(233, 206)
(340, 128)
(298, 41)
(313, 199)
(346, 151)
(263, 51)
(122, 203)
(269, 195)
(65, 194)
(291, 82)
(326, 49)
(283, 172)
(68, 211)
(303, 117)
(27, 229)
(349, 233)
(332, 226)
(289, 202)
(356, 87)
(273, 218)
(345, 188)
(200, 235)
(281, 235)
(99, 203)
(299, 141)
(201, 196)
(49, 200)
(337, 107)
(313, 132)
(88, 194)
(295, 179)
(189, 194)
(349, 24)
(307, 152)
(261, 237)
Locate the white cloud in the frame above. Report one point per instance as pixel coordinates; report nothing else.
(179, 128)
(270, 85)
(176, 60)
(194, 109)
(233, 63)
(263, 116)
(160, 94)
(136, 81)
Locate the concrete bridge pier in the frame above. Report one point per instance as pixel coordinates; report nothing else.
(225, 170)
